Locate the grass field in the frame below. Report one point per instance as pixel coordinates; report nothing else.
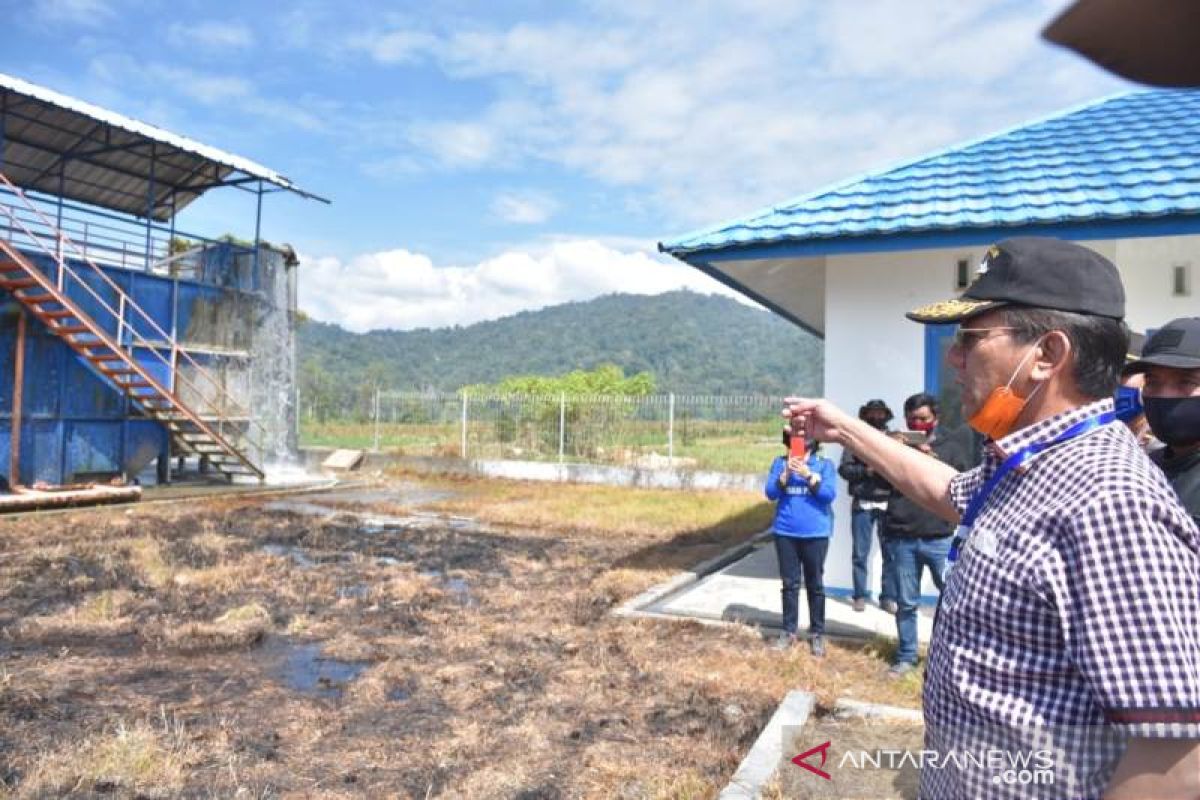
(723, 447)
(430, 638)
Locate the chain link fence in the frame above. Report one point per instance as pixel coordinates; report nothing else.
(737, 434)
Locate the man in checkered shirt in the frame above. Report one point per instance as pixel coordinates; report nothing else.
(1071, 618)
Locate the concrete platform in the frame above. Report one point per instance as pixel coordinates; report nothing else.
(747, 590)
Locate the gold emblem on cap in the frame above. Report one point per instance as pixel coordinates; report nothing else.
(950, 309)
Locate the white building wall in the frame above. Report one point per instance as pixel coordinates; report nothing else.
(1146, 268)
(871, 350)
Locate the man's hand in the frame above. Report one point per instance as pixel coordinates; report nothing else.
(798, 466)
(923, 480)
(816, 419)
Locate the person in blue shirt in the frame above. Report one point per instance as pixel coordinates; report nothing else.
(803, 491)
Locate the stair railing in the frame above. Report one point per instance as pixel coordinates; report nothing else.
(255, 433)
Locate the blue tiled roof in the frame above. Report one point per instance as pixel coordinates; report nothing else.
(1127, 157)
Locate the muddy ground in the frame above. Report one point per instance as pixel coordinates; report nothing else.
(354, 644)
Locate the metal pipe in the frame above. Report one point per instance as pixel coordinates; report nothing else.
(14, 466)
(562, 425)
(150, 190)
(3, 125)
(257, 233)
(463, 448)
(671, 430)
(375, 448)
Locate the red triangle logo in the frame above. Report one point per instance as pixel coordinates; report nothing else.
(801, 760)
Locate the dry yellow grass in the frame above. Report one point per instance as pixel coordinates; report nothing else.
(136, 760)
(610, 510)
(238, 627)
(147, 558)
(490, 666)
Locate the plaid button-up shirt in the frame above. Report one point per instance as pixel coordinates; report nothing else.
(1074, 606)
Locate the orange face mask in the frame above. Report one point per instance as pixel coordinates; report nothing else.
(998, 414)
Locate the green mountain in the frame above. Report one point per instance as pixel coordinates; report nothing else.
(691, 343)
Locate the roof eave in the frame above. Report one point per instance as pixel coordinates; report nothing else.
(930, 238)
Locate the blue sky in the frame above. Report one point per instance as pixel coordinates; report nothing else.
(486, 158)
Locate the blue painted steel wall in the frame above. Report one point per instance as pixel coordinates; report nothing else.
(74, 424)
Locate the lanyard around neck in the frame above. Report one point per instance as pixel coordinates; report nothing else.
(1015, 461)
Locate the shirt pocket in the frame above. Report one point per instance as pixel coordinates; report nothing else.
(997, 607)
(990, 583)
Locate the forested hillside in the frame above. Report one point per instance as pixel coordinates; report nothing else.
(690, 343)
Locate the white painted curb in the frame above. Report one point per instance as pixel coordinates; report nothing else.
(760, 763)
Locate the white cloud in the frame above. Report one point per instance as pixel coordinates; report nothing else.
(90, 13)
(524, 208)
(211, 34)
(403, 290)
(738, 104)
(138, 79)
(403, 46)
(456, 144)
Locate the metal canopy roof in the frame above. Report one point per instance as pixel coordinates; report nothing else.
(65, 147)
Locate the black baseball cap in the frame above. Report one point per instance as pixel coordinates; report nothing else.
(1039, 272)
(875, 405)
(1176, 344)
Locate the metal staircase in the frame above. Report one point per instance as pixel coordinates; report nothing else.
(119, 350)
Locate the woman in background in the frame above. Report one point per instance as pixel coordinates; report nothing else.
(803, 490)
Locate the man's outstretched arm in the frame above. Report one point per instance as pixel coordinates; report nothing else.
(924, 480)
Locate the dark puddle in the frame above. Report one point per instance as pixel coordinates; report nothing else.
(356, 592)
(402, 495)
(300, 667)
(302, 507)
(459, 588)
(398, 694)
(305, 560)
(302, 558)
(375, 525)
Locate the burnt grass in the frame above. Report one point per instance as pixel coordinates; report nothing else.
(269, 653)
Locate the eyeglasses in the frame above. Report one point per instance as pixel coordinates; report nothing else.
(966, 338)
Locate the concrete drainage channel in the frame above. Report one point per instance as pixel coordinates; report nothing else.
(778, 743)
(741, 586)
(796, 720)
(649, 603)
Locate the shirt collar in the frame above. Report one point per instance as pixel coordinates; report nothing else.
(1047, 429)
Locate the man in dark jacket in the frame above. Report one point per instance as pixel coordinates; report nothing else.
(870, 493)
(914, 537)
(1171, 363)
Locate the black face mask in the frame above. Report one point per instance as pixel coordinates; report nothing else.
(876, 423)
(1174, 420)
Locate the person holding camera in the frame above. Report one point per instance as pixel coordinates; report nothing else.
(915, 538)
(870, 493)
(803, 487)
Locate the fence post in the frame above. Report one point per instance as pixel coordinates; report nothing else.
(671, 429)
(376, 447)
(462, 450)
(562, 425)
